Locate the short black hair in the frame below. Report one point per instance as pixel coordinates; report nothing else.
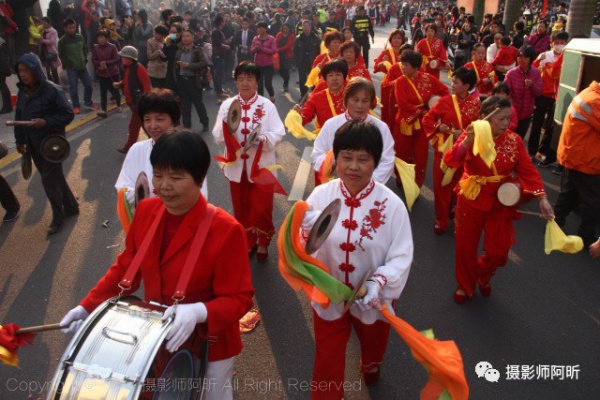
(337, 65)
(493, 103)
(466, 76)
(262, 24)
(501, 87)
(247, 67)
(161, 101)
(505, 40)
(560, 36)
(69, 21)
(356, 135)
(184, 150)
(527, 52)
(519, 25)
(161, 30)
(414, 58)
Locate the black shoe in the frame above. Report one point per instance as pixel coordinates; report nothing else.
(558, 170)
(122, 150)
(204, 128)
(54, 228)
(548, 162)
(6, 110)
(11, 215)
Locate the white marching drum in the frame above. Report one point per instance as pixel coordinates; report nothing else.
(433, 64)
(433, 101)
(119, 353)
(509, 193)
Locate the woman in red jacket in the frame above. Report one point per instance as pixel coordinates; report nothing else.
(478, 209)
(219, 291)
(434, 52)
(285, 48)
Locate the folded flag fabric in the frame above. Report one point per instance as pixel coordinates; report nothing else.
(483, 144)
(124, 210)
(448, 172)
(232, 147)
(407, 176)
(557, 240)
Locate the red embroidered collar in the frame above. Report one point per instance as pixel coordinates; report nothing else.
(249, 102)
(354, 201)
(350, 118)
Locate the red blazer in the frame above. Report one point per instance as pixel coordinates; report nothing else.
(221, 278)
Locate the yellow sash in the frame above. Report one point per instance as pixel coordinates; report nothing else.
(444, 147)
(405, 127)
(330, 101)
(471, 186)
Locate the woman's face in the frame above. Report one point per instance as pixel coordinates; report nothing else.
(467, 27)
(479, 54)
(334, 46)
(101, 40)
(542, 28)
(499, 121)
(458, 87)
(523, 61)
(408, 69)
(246, 85)
(347, 35)
(335, 81)
(430, 33)
(176, 189)
(355, 168)
(359, 104)
(157, 123)
(350, 56)
(397, 41)
(285, 29)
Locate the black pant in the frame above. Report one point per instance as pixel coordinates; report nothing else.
(522, 127)
(576, 186)
(365, 46)
(106, 84)
(7, 197)
(284, 70)
(266, 80)
(190, 94)
(56, 187)
(158, 82)
(543, 105)
(303, 71)
(52, 73)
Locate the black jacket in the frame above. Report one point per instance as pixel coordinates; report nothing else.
(237, 43)
(306, 49)
(47, 102)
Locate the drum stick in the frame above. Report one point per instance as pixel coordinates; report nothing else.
(305, 98)
(39, 328)
(530, 213)
(490, 114)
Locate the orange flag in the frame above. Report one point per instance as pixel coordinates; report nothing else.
(442, 360)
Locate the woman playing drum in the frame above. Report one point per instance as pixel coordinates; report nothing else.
(478, 208)
(388, 97)
(433, 50)
(486, 77)
(390, 55)
(220, 289)
(371, 238)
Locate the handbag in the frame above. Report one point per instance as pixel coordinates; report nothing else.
(50, 56)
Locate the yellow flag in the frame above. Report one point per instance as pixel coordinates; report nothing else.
(293, 123)
(313, 77)
(557, 240)
(407, 176)
(484, 142)
(448, 172)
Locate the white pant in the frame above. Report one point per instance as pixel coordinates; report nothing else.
(218, 383)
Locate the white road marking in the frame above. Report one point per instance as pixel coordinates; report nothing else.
(302, 174)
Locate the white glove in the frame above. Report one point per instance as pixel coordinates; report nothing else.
(73, 320)
(259, 139)
(187, 316)
(373, 289)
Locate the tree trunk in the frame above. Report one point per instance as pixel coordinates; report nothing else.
(512, 11)
(581, 18)
(478, 9)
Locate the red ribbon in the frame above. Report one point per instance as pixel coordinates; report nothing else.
(231, 145)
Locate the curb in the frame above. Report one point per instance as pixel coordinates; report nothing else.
(71, 127)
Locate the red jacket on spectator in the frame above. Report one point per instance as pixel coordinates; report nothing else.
(288, 48)
(523, 97)
(11, 26)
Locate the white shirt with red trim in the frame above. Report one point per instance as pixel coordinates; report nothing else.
(257, 110)
(372, 233)
(324, 142)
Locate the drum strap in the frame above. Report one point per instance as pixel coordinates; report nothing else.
(194, 253)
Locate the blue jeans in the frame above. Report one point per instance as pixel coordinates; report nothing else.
(84, 75)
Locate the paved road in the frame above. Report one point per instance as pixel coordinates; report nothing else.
(543, 311)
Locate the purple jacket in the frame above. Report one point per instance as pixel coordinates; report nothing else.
(263, 57)
(50, 42)
(110, 55)
(522, 97)
(540, 43)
